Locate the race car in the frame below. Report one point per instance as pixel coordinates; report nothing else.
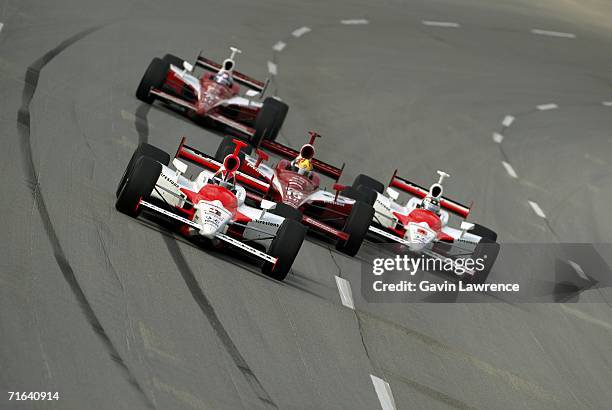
(214, 95)
(295, 186)
(422, 225)
(211, 207)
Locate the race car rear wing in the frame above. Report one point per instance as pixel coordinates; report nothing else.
(288, 152)
(420, 192)
(240, 78)
(201, 159)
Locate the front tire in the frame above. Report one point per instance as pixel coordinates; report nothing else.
(285, 247)
(143, 150)
(154, 77)
(357, 224)
(269, 120)
(139, 184)
(484, 232)
(287, 212)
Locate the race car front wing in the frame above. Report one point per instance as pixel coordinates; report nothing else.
(220, 236)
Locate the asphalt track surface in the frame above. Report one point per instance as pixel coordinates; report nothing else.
(114, 314)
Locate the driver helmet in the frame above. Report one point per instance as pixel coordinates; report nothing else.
(303, 162)
(304, 166)
(225, 176)
(223, 78)
(431, 204)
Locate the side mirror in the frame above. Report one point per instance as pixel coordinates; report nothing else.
(338, 187)
(180, 166)
(251, 93)
(393, 194)
(267, 205)
(187, 66)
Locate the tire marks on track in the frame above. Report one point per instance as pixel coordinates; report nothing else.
(206, 307)
(209, 311)
(32, 77)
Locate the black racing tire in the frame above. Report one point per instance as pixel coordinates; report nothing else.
(488, 251)
(484, 232)
(360, 193)
(357, 224)
(285, 246)
(269, 120)
(143, 150)
(227, 147)
(369, 182)
(140, 183)
(174, 60)
(287, 212)
(154, 77)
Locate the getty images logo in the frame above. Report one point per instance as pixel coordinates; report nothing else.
(410, 265)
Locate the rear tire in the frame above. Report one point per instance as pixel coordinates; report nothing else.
(154, 77)
(227, 147)
(269, 120)
(484, 232)
(174, 60)
(143, 150)
(287, 212)
(285, 246)
(139, 184)
(360, 193)
(357, 224)
(369, 182)
(488, 251)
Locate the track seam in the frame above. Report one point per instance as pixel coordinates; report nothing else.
(142, 127)
(32, 77)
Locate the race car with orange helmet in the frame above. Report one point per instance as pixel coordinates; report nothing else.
(214, 96)
(421, 225)
(342, 213)
(210, 208)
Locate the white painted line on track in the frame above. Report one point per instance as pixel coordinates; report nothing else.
(508, 120)
(346, 295)
(587, 318)
(497, 137)
(272, 69)
(440, 23)
(509, 169)
(300, 31)
(354, 21)
(578, 270)
(607, 103)
(552, 33)
(1, 26)
(383, 391)
(546, 107)
(279, 46)
(536, 208)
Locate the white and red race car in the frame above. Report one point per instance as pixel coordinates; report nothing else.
(422, 225)
(210, 207)
(300, 196)
(214, 95)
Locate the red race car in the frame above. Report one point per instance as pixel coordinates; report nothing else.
(296, 188)
(214, 95)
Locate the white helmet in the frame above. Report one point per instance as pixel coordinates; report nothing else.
(431, 204)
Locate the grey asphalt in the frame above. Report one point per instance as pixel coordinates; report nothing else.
(114, 314)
